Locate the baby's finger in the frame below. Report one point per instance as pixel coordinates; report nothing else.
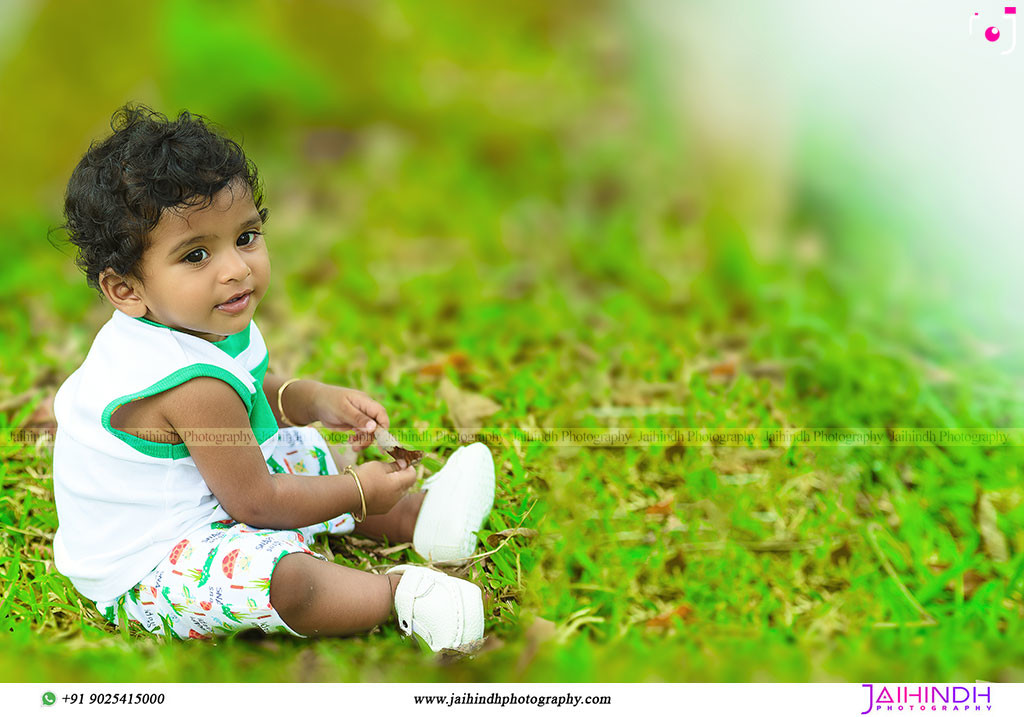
(373, 414)
(405, 478)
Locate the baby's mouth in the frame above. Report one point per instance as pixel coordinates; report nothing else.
(236, 300)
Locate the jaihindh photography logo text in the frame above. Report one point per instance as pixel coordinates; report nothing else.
(929, 698)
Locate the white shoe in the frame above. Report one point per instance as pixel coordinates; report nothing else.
(459, 498)
(446, 612)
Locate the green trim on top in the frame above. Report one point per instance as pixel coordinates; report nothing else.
(260, 372)
(174, 451)
(231, 345)
(261, 417)
(153, 323)
(235, 343)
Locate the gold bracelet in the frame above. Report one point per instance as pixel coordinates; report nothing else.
(280, 406)
(362, 498)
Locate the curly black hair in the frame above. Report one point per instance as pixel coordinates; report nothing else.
(123, 183)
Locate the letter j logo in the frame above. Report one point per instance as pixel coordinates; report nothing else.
(993, 34)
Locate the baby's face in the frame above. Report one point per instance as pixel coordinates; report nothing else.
(200, 259)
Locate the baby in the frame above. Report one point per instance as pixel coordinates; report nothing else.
(180, 460)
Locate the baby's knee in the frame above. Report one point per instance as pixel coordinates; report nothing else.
(292, 585)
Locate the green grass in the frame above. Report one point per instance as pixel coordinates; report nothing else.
(553, 244)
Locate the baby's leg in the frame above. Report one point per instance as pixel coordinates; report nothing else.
(398, 524)
(314, 597)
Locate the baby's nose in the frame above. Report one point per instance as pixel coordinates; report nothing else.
(236, 267)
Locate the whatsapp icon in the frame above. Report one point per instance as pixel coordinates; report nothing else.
(49, 698)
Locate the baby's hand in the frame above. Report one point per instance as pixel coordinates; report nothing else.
(343, 409)
(384, 484)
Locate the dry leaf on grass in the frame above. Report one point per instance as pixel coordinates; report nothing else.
(733, 365)
(677, 563)
(992, 539)
(394, 549)
(467, 410)
(972, 581)
(724, 369)
(842, 554)
(675, 452)
(496, 538)
(666, 619)
(661, 508)
(766, 369)
(390, 445)
(451, 655)
(458, 361)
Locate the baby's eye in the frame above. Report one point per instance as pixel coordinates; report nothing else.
(253, 236)
(194, 257)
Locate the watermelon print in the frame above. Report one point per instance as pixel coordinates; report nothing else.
(228, 564)
(235, 561)
(178, 552)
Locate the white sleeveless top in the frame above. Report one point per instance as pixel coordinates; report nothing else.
(122, 501)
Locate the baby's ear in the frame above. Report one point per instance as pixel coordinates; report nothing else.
(121, 293)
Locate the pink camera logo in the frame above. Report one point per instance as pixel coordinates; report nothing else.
(994, 34)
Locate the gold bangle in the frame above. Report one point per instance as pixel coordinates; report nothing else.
(362, 498)
(280, 406)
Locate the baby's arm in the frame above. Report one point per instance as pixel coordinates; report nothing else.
(298, 400)
(238, 476)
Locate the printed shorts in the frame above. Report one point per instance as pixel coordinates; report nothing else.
(216, 580)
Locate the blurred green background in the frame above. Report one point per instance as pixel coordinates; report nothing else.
(570, 210)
